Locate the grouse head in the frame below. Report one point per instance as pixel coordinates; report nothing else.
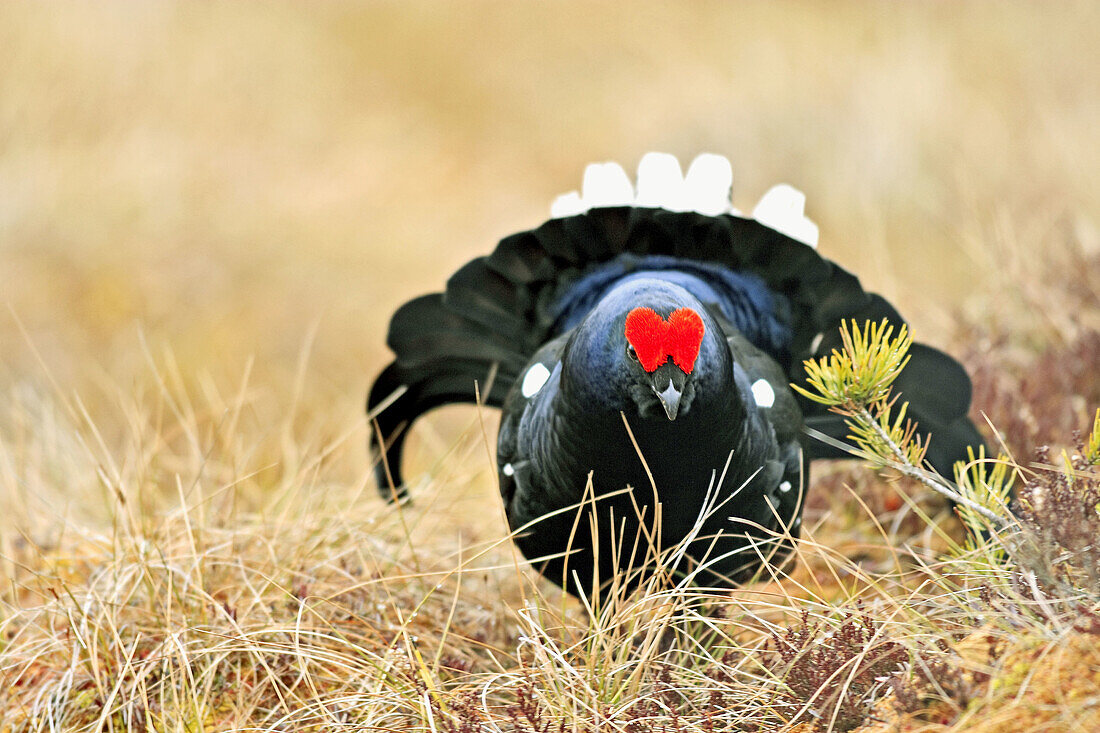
(665, 349)
(646, 349)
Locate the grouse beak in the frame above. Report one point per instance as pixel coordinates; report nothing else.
(670, 400)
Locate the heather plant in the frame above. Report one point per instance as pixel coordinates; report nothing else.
(940, 675)
(1047, 560)
(1059, 508)
(834, 677)
(1035, 375)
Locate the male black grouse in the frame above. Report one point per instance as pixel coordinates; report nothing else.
(654, 323)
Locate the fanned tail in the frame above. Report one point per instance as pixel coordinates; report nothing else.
(497, 310)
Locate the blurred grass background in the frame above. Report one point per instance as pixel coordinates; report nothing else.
(227, 188)
(208, 213)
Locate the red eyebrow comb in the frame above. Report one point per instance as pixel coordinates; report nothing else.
(655, 340)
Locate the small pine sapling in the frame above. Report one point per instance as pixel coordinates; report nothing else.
(856, 382)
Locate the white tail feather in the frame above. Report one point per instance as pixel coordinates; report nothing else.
(606, 184)
(708, 183)
(781, 209)
(705, 188)
(660, 182)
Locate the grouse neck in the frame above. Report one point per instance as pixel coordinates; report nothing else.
(711, 429)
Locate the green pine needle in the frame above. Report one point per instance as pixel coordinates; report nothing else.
(1092, 448)
(856, 382)
(986, 482)
(863, 372)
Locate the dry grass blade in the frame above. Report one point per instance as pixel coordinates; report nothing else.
(207, 211)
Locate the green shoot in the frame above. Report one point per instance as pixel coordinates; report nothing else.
(1092, 447)
(864, 371)
(986, 482)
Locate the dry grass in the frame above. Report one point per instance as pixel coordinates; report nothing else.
(208, 212)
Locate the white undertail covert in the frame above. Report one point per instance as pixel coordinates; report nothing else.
(705, 188)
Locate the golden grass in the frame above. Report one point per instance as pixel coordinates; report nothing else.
(208, 212)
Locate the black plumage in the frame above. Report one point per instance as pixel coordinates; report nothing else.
(548, 307)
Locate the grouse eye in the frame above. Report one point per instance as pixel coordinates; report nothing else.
(631, 352)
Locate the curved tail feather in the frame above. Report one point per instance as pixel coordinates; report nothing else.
(443, 357)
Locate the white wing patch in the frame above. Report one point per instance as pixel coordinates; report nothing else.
(816, 343)
(533, 380)
(705, 188)
(763, 393)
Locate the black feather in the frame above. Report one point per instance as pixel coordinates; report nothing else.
(778, 301)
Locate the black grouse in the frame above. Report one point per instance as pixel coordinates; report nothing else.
(640, 345)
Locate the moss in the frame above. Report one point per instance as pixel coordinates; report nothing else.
(1041, 686)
